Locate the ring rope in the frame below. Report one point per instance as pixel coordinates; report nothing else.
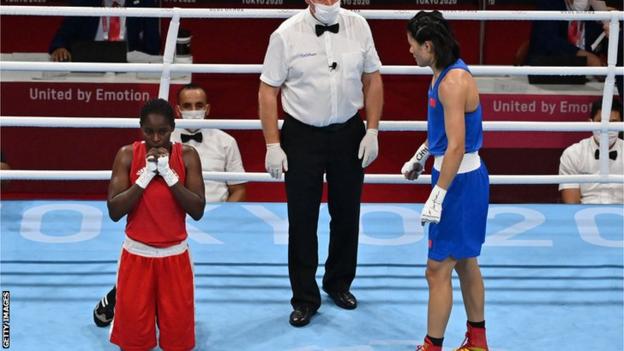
(285, 13)
(264, 177)
(476, 70)
(167, 67)
(242, 124)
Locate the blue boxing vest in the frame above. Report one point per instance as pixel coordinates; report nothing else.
(436, 134)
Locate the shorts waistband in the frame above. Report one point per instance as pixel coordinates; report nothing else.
(469, 163)
(329, 128)
(140, 249)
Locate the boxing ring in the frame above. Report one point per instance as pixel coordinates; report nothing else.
(554, 274)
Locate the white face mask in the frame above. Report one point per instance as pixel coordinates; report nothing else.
(579, 5)
(613, 135)
(327, 14)
(194, 114)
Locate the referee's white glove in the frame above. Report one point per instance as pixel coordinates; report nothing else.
(148, 173)
(432, 211)
(416, 165)
(369, 148)
(275, 160)
(168, 174)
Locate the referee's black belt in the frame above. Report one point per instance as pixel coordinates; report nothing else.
(334, 127)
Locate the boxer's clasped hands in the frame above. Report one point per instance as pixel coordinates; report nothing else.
(157, 163)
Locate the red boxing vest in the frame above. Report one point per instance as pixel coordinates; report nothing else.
(157, 219)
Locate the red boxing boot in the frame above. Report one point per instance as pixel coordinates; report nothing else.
(428, 346)
(475, 340)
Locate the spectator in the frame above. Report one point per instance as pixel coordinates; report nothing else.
(582, 158)
(561, 38)
(217, 150)
(141, 33)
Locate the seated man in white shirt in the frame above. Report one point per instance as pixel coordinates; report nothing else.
(217, 150)
(582, 158)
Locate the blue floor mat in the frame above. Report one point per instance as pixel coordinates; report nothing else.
(553, 276)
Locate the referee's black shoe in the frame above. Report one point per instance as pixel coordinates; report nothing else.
(104, 312)
(343, 299)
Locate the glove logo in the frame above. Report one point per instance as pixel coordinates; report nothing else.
(420, 155)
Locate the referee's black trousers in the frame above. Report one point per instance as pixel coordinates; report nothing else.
(311, 152)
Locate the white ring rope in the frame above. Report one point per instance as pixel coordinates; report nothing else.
(167, 67)
(264, 177)
(243, 124)
(285, 13)
(481, 70)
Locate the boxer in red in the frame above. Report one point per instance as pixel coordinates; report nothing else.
(156, 183)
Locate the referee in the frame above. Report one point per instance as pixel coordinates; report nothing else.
(324, 62)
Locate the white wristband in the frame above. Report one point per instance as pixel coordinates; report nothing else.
(145, 178)
(168, 174)
(422, 154)
(437, 195)
(171, 178)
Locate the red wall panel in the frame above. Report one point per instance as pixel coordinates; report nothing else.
(244, 41)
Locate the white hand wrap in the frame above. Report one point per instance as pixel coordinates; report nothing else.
(416, 165)
(369, 147)
(432, 211)
(147, 173)
(275, 160)
(168, 174)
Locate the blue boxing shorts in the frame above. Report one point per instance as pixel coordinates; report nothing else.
(461, 231)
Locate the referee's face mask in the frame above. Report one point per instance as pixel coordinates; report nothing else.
(326, 11)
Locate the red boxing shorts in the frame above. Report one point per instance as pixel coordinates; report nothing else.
(154, 287)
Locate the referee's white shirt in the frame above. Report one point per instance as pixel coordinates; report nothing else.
(580, 158)
(300, 63)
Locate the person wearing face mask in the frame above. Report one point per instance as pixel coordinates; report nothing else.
(324, 62)
(572, 38)
(582, 158)
(217, 150)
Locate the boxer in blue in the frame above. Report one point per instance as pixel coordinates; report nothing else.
(457, 207)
